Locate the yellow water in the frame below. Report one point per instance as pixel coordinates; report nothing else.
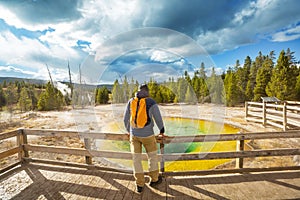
(182, 127)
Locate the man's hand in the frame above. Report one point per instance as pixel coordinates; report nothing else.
(161, 135)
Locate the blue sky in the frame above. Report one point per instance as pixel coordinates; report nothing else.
(140, 38)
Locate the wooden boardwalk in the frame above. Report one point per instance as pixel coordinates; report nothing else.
(38, 181)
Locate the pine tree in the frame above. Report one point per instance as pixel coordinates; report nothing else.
(257, 64)
(126, 90)
(4, 84)
(187, 78)
(181, 89)
(2, 98)
(231, 88)
(133, 88)
(51, 99)
(290, 56)
(154, 90)
(117, 93)
(216, 88)
(190, 96)
(297, 88)
(204, 91)
(159, 97)
(202, 73)
(11, 96)
(242, 77)
(251, 82)
(102, 96)
(196, 85)
(283, 80)
(33, 97)
(171, 90)
(97, 90)
(263, 77)
(24, 100)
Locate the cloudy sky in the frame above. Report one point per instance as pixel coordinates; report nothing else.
(140, 38)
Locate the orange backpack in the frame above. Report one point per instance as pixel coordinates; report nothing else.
(138, 117)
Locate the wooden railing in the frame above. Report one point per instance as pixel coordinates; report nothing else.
(23, 149)
(284, 115)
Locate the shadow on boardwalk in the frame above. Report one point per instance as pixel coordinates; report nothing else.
(36, 181)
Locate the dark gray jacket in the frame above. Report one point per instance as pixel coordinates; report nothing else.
(153, 115)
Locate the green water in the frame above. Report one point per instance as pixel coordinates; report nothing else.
(183, 127)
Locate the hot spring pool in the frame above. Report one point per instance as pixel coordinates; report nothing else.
(180, 127)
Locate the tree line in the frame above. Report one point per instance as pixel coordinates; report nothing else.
(25, 96)
(199, 88)
(261, 77)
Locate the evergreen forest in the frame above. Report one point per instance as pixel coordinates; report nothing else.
(263, 76)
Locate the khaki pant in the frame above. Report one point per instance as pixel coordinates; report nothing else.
(136, 149)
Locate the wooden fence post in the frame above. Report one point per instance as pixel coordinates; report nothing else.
(264, 113)
(87, 144)
(284, 122)
(162, 151)
(22, 140)
(246, 109)
(26, 154)
(19, 144)
(240, 147)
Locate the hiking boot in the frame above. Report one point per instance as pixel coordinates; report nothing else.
(139, 189)
(159, 181)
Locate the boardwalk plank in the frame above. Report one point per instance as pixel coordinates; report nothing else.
(98, 181)
(158, 192)
(118, 188)
(42, 183)
(239, 186)
(56, 182)
(288, 184)
(108, 186)
(63, 184)
(83, 188)
(177, 188)
(130, 190)
(196, 192)
(102, 184)
(212, 190)
(123, 190)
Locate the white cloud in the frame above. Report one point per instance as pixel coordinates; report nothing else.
(14, 20)
(57, 74)
(162, 56)
(15, 72)
(17, 51)
(287, 35)
(31, 53)
(244, 14)
(259, 20)
(110, 28)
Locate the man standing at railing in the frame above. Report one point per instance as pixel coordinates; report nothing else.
(138, 120)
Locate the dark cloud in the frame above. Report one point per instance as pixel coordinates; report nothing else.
(168, 40)
(194, 16)
(124, 30)
(44, 11)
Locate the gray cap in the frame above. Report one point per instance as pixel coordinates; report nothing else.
(144, 87)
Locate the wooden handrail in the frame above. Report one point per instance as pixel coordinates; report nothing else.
(8, 134)
(281, 115)
(166, 157)
(23, 147)
(168, 139)
(9, 152)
